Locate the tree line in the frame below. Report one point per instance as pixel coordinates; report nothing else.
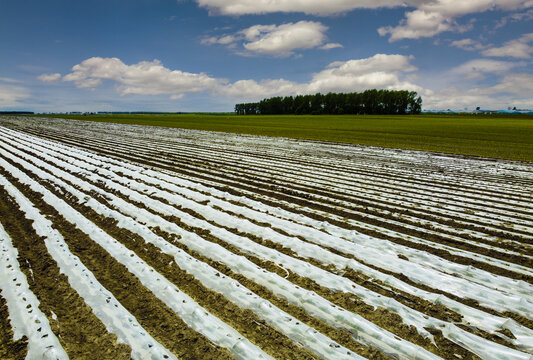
(16, 112)
(369, 102)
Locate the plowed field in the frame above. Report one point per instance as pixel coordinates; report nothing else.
(122, 241)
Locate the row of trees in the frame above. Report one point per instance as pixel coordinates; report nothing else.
(369, 102)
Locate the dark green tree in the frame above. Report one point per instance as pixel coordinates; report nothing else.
(370, 102)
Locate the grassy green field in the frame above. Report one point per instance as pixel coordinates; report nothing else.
(496, 136)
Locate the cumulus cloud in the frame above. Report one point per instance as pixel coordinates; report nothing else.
(435, 16)
(519, 16)
(518, 48)
(143, 78)
(331, 46)
(518, 84)
(468, 45)
(511, 90)
(222, 40)
(476, 69)
(429, 17)
(152, 78)
(416, 25)
(9, 80)
(11, 96)
(276, 40)
(283, 39)
(315, 7)
(380, 71)
(49, 78)
(255, 90)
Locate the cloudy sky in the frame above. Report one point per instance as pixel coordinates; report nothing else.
(207, 55)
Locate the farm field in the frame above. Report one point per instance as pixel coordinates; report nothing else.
(495, 136)
(123, 241)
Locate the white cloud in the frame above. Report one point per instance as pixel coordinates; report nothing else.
(511, 90)
(518, 84)
(418, 24)
(435, 16)
(152, 78)
(286, 38)
(331, 46)
(10, 96)
(468, 45)
(380, 71)
(9, 80)
(518, 48)
(379, 63)
(315, 7)
(429, 17)
(223, 40)
(476, 69)
(49, 78)
(520, 16)
(276, 40)
(251, 90)
(143, 78)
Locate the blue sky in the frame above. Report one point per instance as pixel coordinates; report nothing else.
(207, 55)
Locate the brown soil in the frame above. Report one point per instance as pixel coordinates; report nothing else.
(435, 310)
(381, 317)
(415, 245)
(303, 199)
(10, 349)
(245, 321)
(80, 332)
(159, 320)
(341, 336)
(396, 325)
(301, 193)
(361, 203)
(440, 186)
(305, 196)
(358, 203)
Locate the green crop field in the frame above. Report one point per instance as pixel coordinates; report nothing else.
(496, 136)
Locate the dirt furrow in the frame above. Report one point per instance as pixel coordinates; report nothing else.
(405, 298)
(381, 208)
(340, 336)
(10, 349)
(385, 319)
(80, 332)
(291, 256)
(434, 193)
(376, 220)
(246, 322)
(162, 142)
(281, 193)
(416, 303)
(463, 246)
(245, 162)
(105, 223)
(159, 320)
